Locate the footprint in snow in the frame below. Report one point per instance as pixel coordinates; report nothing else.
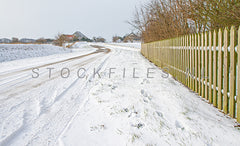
(114, 87)
(145, 100)
(133, 113)
(178, 125)
(144, 93)
(159, 114)
(98, 128)
(139, 125)
(126, 110)
(145, 81)
(147, 95)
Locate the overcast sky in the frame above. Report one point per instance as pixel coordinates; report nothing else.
(45, 18)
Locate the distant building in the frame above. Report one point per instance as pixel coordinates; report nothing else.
(5, 40)
(69, 38)
(26, 40)
(132, 37)
(79, 35)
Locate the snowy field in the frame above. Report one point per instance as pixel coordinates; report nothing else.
(9, 52)
(128, 102)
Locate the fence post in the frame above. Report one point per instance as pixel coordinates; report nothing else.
(173, 65)
(186, 63)
(160, 54)
(202, 70)
(193, 64)
(190, 60)
(196, 64)
(182, 57)
(154, 52)
(199, 65)
(225, 73)
(220, 69)
(206, 67)
(238, 79)
(178, 61)
(146, 50)
(214, 68)
(185, 59)
(210, 67)
(232, 72)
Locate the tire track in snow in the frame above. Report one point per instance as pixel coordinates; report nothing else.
(23, 88)
(8, 88)
(59, 102)
(10, 74)
(77, 106)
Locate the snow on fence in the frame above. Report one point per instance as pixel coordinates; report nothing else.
(208, 63)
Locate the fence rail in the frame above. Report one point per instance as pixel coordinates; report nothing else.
(208, 63)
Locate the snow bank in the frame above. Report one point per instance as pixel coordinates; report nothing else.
(80, 45)
(131, 45)
(9, 52)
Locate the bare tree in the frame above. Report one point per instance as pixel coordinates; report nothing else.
(213, 14)
(116, 39)
(163, 19)
(99, 39)
(60, 39)
(160, 19)
(41, 41)
(15, 40)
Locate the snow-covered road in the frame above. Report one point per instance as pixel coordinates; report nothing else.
(95, 96)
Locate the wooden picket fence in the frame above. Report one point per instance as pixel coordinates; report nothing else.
(208, 63)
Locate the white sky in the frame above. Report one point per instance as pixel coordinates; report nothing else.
(45, 18)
